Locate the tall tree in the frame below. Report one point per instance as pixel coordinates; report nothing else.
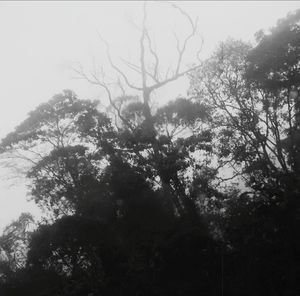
(253, 92)
(150, 149)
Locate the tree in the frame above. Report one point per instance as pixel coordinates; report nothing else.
(251, 92)
(273, 67)
(154, 146)
(53, 140)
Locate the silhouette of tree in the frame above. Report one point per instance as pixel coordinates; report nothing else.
(253, 93)
(155, 141)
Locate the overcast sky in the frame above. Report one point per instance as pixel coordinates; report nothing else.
(40, 40)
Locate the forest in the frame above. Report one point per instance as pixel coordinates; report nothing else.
(197, 196)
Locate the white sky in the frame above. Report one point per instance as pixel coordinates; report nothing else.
(40, 40)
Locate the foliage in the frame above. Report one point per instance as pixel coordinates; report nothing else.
(251, 93)
(14, 245)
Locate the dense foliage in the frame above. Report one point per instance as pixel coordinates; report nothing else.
(140, 205)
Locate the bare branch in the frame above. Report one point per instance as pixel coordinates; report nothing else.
(121, 87)
(177, 42)
(182, 50)
(117, 68)
(142, 48)
(132, 66)
(174, 77)
(154, 54)
(95, 80)
(200, 49)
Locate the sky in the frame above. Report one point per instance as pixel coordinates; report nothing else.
(42, 41)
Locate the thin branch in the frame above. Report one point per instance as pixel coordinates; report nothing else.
(117, 68)
(174, 77)
(154, 54)
(96, 81)
(121, 87)
(182, 50)
(132, 66)
(142, 48)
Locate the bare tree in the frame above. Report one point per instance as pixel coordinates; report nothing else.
(152, 79)
(151, 76)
